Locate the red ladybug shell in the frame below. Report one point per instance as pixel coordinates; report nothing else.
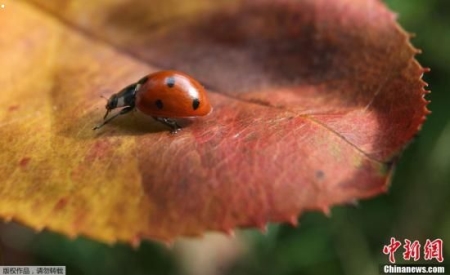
(172, 94)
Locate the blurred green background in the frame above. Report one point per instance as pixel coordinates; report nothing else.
(350, 242)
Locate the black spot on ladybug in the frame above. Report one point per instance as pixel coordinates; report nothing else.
(159, 104)
(170, 82)
(195, 104)
(143, 80)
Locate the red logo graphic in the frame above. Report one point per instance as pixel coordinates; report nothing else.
(431, 250)
(391, 248)
(412, 250)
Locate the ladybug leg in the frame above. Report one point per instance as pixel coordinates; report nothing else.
(122, 112)
(169, 122)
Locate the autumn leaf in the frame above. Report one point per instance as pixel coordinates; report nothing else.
(313, 103)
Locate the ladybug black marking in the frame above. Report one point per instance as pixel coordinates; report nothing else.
(195, 104)
(159, 104)
(143, 80)
(170, 81)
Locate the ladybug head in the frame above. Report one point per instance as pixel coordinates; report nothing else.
(111, 104)
(124, 97)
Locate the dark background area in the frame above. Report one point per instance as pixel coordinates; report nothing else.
(348, 242)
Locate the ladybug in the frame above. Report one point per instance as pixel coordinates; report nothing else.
(163, 95)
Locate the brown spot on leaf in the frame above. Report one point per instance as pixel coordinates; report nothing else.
(24, 162)
(61, 204)
(13, 108)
